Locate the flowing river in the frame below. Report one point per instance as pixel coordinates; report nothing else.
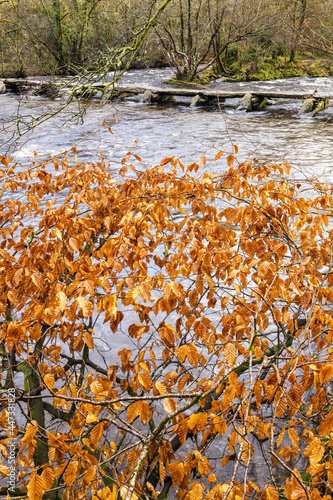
(154, 131)
(279, 133)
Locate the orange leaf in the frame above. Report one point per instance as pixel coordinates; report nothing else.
(73, 244)
(293, 436)
(166, 160)
(106, 494)
(145, 381)
(29, 433)
(230, 160)
(326, 427)
(71, 472)
(196, 492)
(229, 352)
(139, 409)
(280, 438)
(96, 433)
(49, 380)
(182, 429)
(48, 478)
(169, 405)
(85, 305)
(218, 155)
(88, 340)
(90, 474)
(271, 493)
(263, 268)
(315, 451)
(63, 300)
(132, 295)
(161, 388)
(36, 488)
(197, 422)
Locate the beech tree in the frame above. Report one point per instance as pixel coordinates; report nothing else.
(166, 331)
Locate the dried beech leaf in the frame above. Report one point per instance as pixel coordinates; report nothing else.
(169, 405)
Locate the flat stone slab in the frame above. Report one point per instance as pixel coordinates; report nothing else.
(159, 94)
(12, 83)
(177, 91)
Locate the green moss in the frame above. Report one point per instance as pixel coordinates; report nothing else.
(274, 67)
(307, 479)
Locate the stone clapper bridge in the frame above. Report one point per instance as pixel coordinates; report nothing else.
(250, 101)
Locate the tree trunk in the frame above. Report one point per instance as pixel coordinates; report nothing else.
(298, 27)
(59, 38)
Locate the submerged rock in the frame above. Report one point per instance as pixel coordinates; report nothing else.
(313, 105)
(251, 102)
(197, 101)
(245, 102)
(307, 106)
(149, 97)
(319, 105)
(259, 103)
(47, 89)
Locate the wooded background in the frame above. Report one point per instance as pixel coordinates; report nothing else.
(48, 36)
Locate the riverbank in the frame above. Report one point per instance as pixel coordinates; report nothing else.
(268, 69)
(281, 67)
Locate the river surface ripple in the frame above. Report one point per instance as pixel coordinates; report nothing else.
(154, 131)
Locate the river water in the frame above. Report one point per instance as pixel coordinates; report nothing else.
(279, 133)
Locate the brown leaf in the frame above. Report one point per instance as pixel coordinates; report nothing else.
(169, 405)
(145, 381)
(85, 305)
(280, 438)
(229, 352)
(326, 427)
(263, 268)
(36, 487)
(182, 429)
(97, 433)
(271, 493)
(293, 436)
(166, 160)
(315, 451)
(218, 155)
(48, 478)
(88, 340)
(71, 472)
(230, 159)
(282, 406)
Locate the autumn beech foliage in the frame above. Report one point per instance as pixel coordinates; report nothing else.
(168, 333)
